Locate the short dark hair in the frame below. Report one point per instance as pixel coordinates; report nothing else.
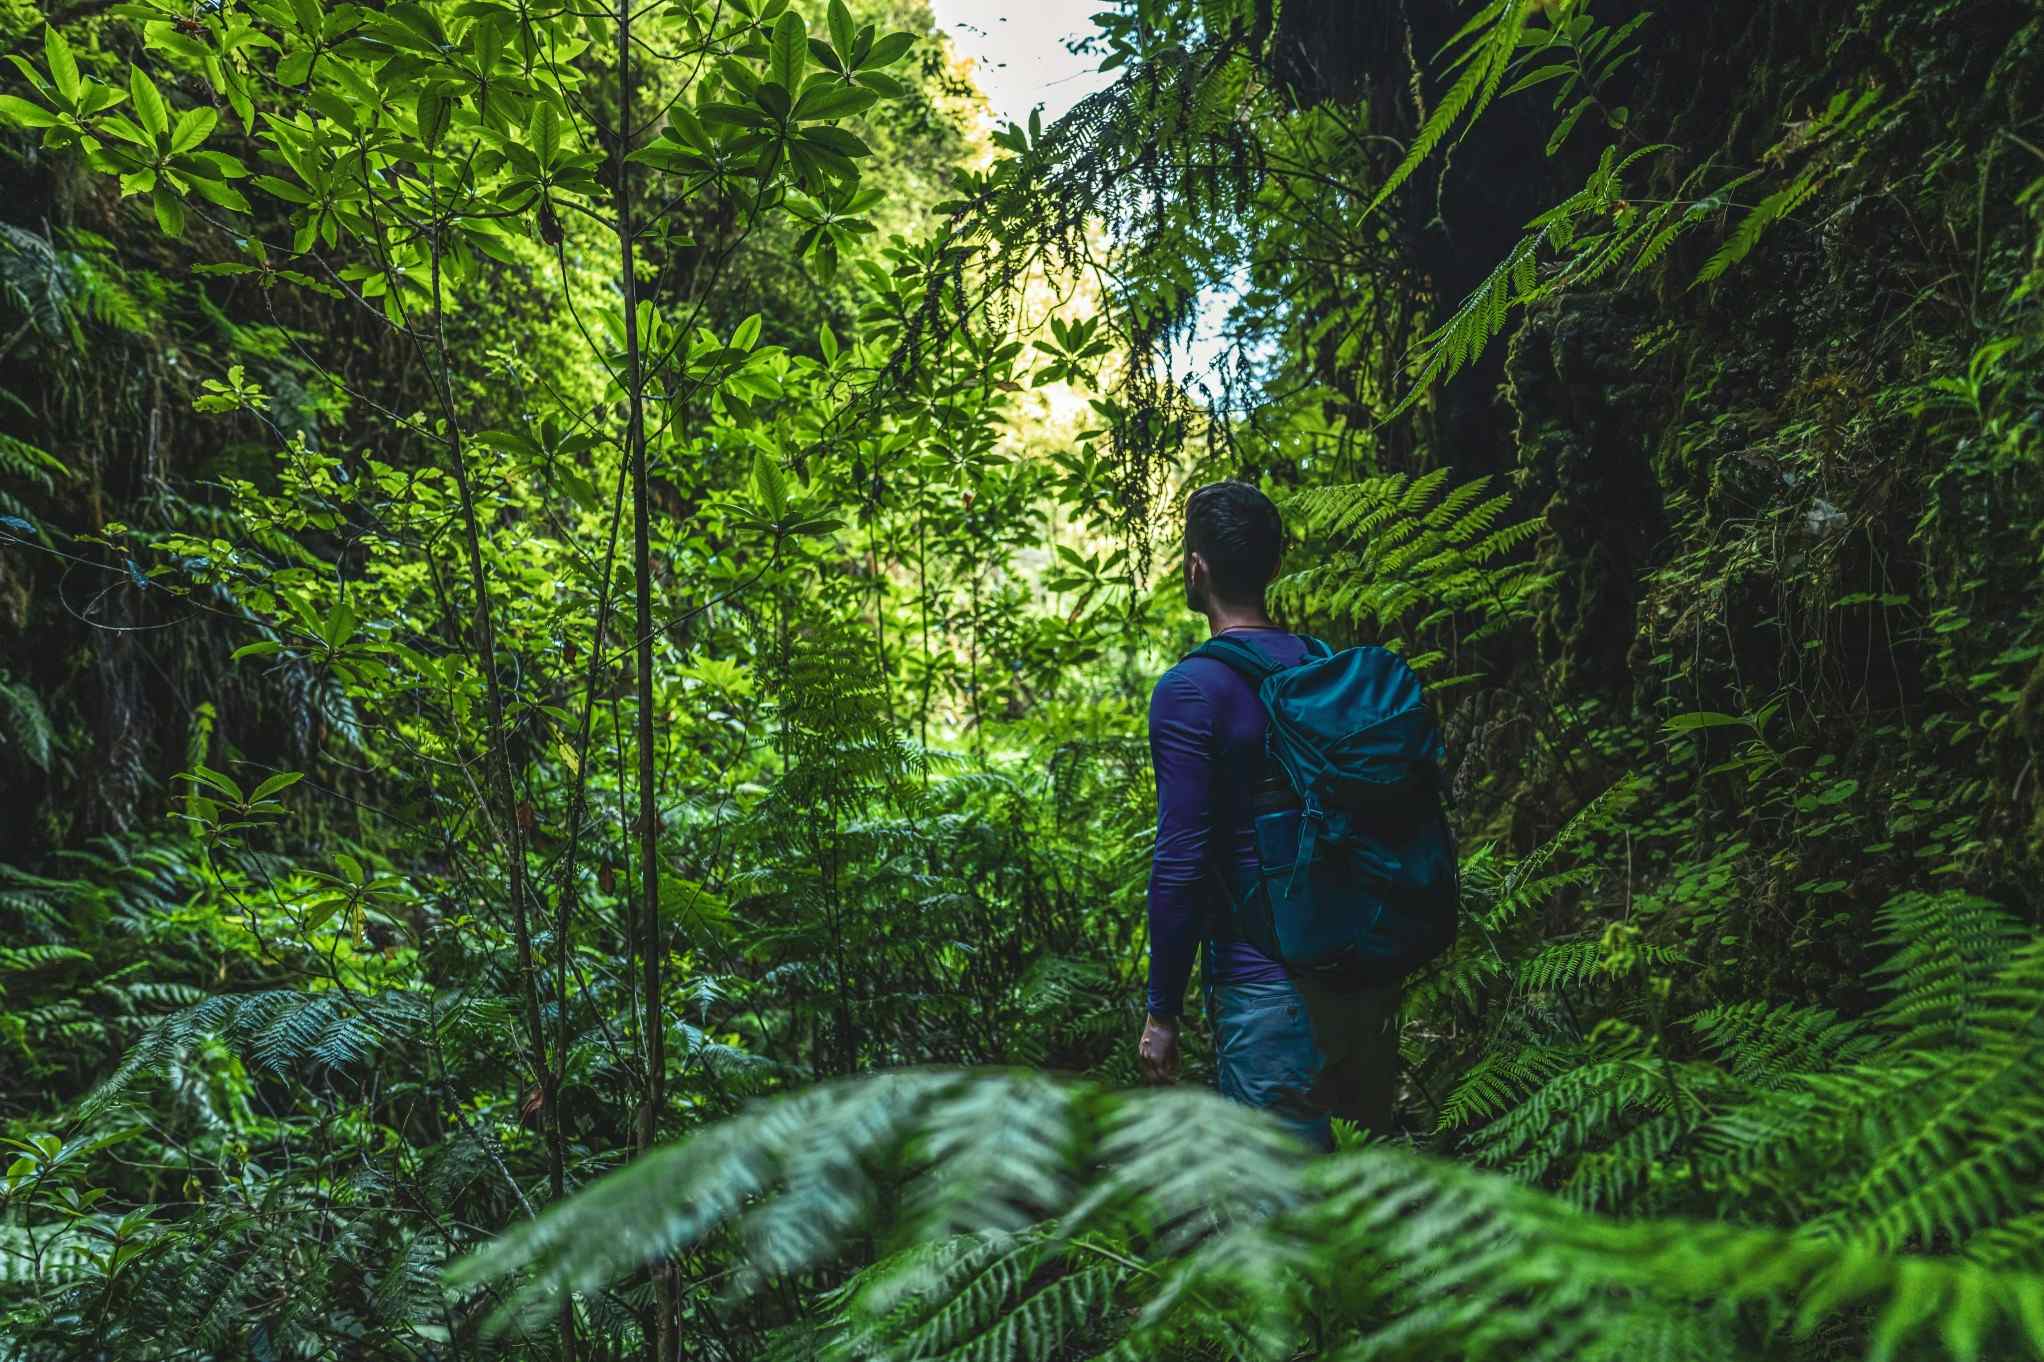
(1237, 530)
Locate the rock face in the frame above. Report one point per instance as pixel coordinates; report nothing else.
(1807, 493)
(1587, 404)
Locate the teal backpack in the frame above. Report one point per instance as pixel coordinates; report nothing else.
(1356, 879)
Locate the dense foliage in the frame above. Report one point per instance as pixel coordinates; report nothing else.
(579, 590)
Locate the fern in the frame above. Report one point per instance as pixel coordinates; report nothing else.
(1492, 38)
(1411, 1255)
(1942, 947)
(1405, 557)
(28, 723)
(1844, 115)
(986, 1296)
(1967, 1147)
(1501, 1077)
(1766, 1047)
(277, 1029)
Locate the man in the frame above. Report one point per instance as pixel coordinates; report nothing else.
(1299, 1049)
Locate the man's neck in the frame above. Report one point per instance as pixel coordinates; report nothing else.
(1222, 618)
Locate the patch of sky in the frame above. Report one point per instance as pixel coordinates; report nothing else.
(1022, 59)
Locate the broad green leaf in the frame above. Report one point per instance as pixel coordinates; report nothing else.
(322, 911)
(841, 28)
(21, 113)
(838, 140)
(63, 66)
(339, 625)
(887, 87)
(274, 783)
(281, 189)
(543, 133)
(194, 125)
(789, 52)
(887, 51)
(837, 101)
(434, 111)
(149, 105)
(206, 775)
(219, 194)
(825, 56)
(769, 485)
(170, 211)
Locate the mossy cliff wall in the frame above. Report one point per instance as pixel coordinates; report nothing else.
(1810, 494)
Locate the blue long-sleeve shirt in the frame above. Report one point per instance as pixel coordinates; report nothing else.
(1206, 743)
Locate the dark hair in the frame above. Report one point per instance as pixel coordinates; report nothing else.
(1237, 530)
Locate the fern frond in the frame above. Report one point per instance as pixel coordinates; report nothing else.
(1493, 38)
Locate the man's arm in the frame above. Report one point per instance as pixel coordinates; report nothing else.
(1181, 751)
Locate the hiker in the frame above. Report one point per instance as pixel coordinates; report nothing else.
(1306, 1037)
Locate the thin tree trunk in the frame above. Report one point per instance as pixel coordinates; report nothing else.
(662, 1340)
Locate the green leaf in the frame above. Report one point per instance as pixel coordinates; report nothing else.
(789, 52)
(543, 133)
(219, 194)
(194, 125)
(272, 784)
(887, 87)
(63, 66)
(170, 211)
(887, 51)
(281, 189)
(322, 911)
(434, 111)
(834, 101)
(21, 113)
(838, 140)
(841, 29)
(1532, 78)
(206, 775)
(149, 105)
(1703, 718)
(769, 485)
(825, 56)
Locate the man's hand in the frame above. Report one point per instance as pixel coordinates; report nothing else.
(1158, 1051)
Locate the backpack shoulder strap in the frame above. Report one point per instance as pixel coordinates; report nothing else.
(1246, 658)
